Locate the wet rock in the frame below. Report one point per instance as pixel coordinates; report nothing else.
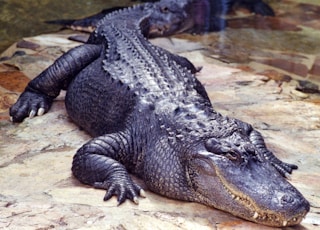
(262, 23)
(290, 66)
(27, 45)
(13, 80)
(315, 70)
(275, 75)
(309, 19)
(6, 100)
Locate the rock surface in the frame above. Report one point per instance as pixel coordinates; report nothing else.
(37, 190)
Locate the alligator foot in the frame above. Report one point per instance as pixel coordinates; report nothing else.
(285, 169)
(29, 105)
(97, 163)
(126, 189)
(103, 172)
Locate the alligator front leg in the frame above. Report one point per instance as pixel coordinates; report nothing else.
(99, 164)
(40, 92)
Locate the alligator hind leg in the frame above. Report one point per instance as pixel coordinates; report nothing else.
(99, 164)
(40, 92)
(283, 168)
(263, 153)
(184, 62)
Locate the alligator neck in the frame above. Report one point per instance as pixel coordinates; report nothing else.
(133, 18)
(191, 119)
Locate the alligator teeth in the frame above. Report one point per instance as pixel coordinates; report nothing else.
(284, 223)
(256, 215)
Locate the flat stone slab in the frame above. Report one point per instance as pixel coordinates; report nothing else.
(38, 191)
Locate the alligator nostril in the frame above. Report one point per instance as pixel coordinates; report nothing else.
(286, 199)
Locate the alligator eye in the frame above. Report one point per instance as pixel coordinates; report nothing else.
(214, 146)
(232, 155)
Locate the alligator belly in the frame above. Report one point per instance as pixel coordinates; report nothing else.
(98, 103)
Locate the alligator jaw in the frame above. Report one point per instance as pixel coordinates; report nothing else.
(257, 214)
(263, 217)
(268, 218)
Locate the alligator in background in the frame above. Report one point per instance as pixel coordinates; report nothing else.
(255, 6)
(204, 16)
(150, 116)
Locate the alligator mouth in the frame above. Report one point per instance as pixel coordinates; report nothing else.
(266, 217)
(272, 219)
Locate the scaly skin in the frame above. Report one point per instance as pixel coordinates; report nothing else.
(150, 116)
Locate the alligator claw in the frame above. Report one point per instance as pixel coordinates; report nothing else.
(136, 200)
(32, 114)
(283, 168)
(288, 176)
(129, 191)
(142, 193)
(29, 105)
(41, 111)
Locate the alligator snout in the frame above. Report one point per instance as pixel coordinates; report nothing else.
(293, 202)
(288, 205)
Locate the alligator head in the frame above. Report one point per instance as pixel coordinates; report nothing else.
(195, 16)
(169, 17)
(232, 178)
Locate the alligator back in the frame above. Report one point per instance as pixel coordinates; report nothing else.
(130, 74)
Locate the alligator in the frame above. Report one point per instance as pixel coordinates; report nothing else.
(204, 16)
(255, 6)
(150, 116)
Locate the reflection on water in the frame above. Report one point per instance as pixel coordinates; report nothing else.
(26, 18)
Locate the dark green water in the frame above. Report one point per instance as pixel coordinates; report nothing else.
(23, 18)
